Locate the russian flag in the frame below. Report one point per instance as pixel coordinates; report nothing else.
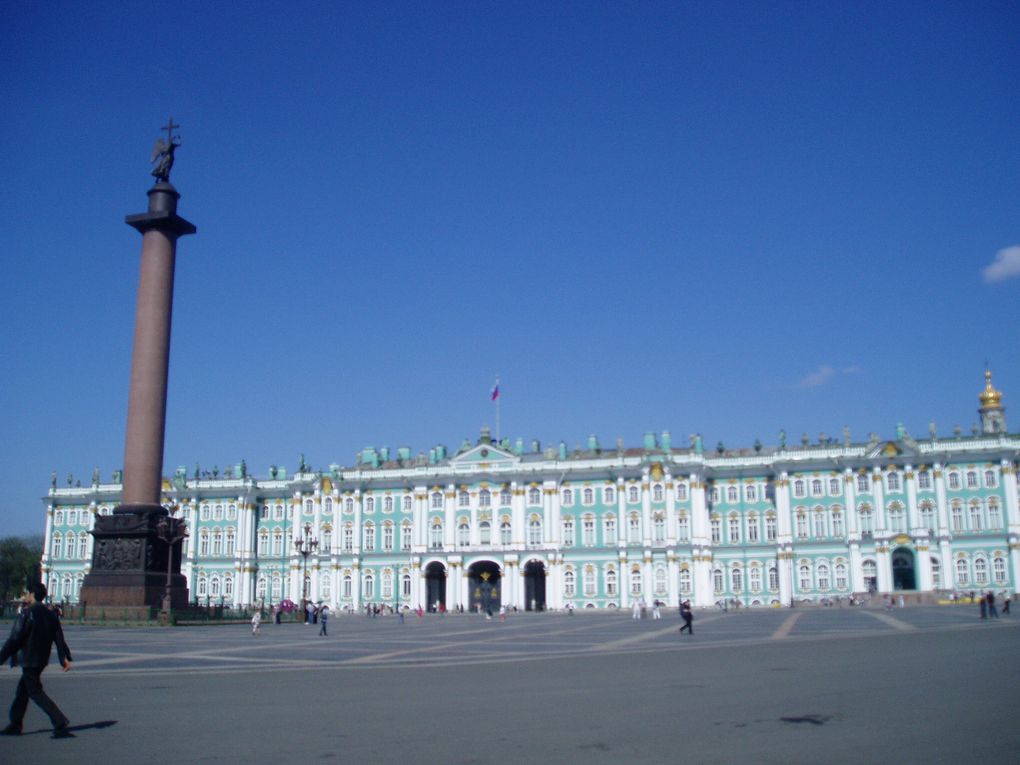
(494, 393)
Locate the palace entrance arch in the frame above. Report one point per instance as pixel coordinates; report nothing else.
(435, 586)
(534, 586)
(903, 574)
(485, 586)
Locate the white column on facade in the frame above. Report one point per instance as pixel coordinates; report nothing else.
(704, 590)
(784, 562)
(518, 529)
(356, 585)
(356, 549)
(884, 563)
(646, 511)
(450, 517)
(941, 505)
(520, 587)
(647, 576)
(673, 579)
(624, 579)
(856, 568)
(554, 582)
(878, 492)
(419, 529)
(922, 564)
(946, 564)
(671, 513)
(621, 518)
(853, 524)
(699, 511)
(1009, 486)
(910, 482)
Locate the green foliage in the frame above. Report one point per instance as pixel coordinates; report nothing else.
(19, 564)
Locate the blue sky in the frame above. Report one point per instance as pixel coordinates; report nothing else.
(725, 218)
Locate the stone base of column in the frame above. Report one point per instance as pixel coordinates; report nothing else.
(129, 565)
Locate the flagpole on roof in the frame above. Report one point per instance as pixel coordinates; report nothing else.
(495, 397)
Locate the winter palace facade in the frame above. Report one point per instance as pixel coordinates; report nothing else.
(590, 527)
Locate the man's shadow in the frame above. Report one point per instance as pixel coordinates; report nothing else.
(71, 729)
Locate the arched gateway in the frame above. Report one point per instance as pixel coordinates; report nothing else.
(903, 569)
(435, 586)
(484, 580)
(534, 586)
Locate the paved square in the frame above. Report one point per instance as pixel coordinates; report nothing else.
(812, 685)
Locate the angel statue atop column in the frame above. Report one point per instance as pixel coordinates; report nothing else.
(163, 153)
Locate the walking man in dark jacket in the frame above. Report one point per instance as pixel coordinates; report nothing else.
(31, 643)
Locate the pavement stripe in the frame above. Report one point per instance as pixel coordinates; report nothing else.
(786, 627)
(892, 621)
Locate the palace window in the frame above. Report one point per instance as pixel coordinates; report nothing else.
(203, 586)
(893, 481)
(277, 542)
(327, 540)
(568, 583)
(436, 535)
(632, 494)
(327, 506)
(349, 505)
(437, 500)
(683, 528)
(802, 526)
(685, 581)
(277, 588)
(752, 529)
(534, 496)
(609, 495)
(309, 509)
(734, 531)
(588, 497)
(230, 542)
(862, 482)
(407, 503)
(819, 523)
(463, 534)
(634, 529)
(754, 579)
(324, 586)
(660, 581)
(928, 516)
(805, 578)
(924, 480)
(463, 499)
(681, 492)
(348, 538)
(405, 586)
(567, 497)
(896, 518)
(837, 523)
(994, 514)
(387, 584)
(773, 578)
(388, 504)
(589, 581)
(484, 498)
(972, 482)
(717, 580)
(635, 582)
(962, 575)
(504, 497)
(731, 494)
(370, 505)
(58, 518)
(217, 543)
(263, 542)
(505, 533)
(57, 545)
(867, 520)
(657, 495)
(936, 573)
(485, 533)
(228, 587)
(823, 576)
(954, 480)
(611, 582)
(980, 571)
(798, 488)
(369, 587)
(737, 579)
(568, 532)
(535, 532)
(975, 516)
(834, 487)
(588, 530)
(957, 514)
(659, 529)
(610, 531)
(716, 530)
(999, 570)
(348, 586)
(369, 537)
(990, 480)
(260, 588)
(405, 536)
(816, 487)
(751, 493)
(203, 543)
(387, 531)
(770, 528)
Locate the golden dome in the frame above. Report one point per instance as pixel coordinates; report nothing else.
(990, 397)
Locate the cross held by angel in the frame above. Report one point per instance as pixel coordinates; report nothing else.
(163, 153)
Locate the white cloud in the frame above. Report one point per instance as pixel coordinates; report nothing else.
(1006, 265)
(820, 376)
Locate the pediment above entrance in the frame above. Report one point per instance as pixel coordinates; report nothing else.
(486, 455)
(891, 450)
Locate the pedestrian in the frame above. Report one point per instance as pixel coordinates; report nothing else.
(993, 612)
(30, 644)
(502, 611)
(323, 617)
(984, 607)
(256, 623)
(421, 613)
(688, 616)
(656, 613)
(636, 611)
(1005, 605)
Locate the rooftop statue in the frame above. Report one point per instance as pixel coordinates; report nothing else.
(163, 153)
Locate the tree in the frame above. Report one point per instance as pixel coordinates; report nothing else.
(19, 564)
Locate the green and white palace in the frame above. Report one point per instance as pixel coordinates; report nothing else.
(590, 527)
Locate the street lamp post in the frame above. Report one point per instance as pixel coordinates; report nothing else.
(306, 545)
(171, 533)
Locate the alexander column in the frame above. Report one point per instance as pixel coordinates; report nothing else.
(129, 559)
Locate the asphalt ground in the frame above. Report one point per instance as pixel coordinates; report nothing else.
(921, 684)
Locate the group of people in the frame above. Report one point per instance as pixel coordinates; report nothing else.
(640, 609)
(988, 607)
